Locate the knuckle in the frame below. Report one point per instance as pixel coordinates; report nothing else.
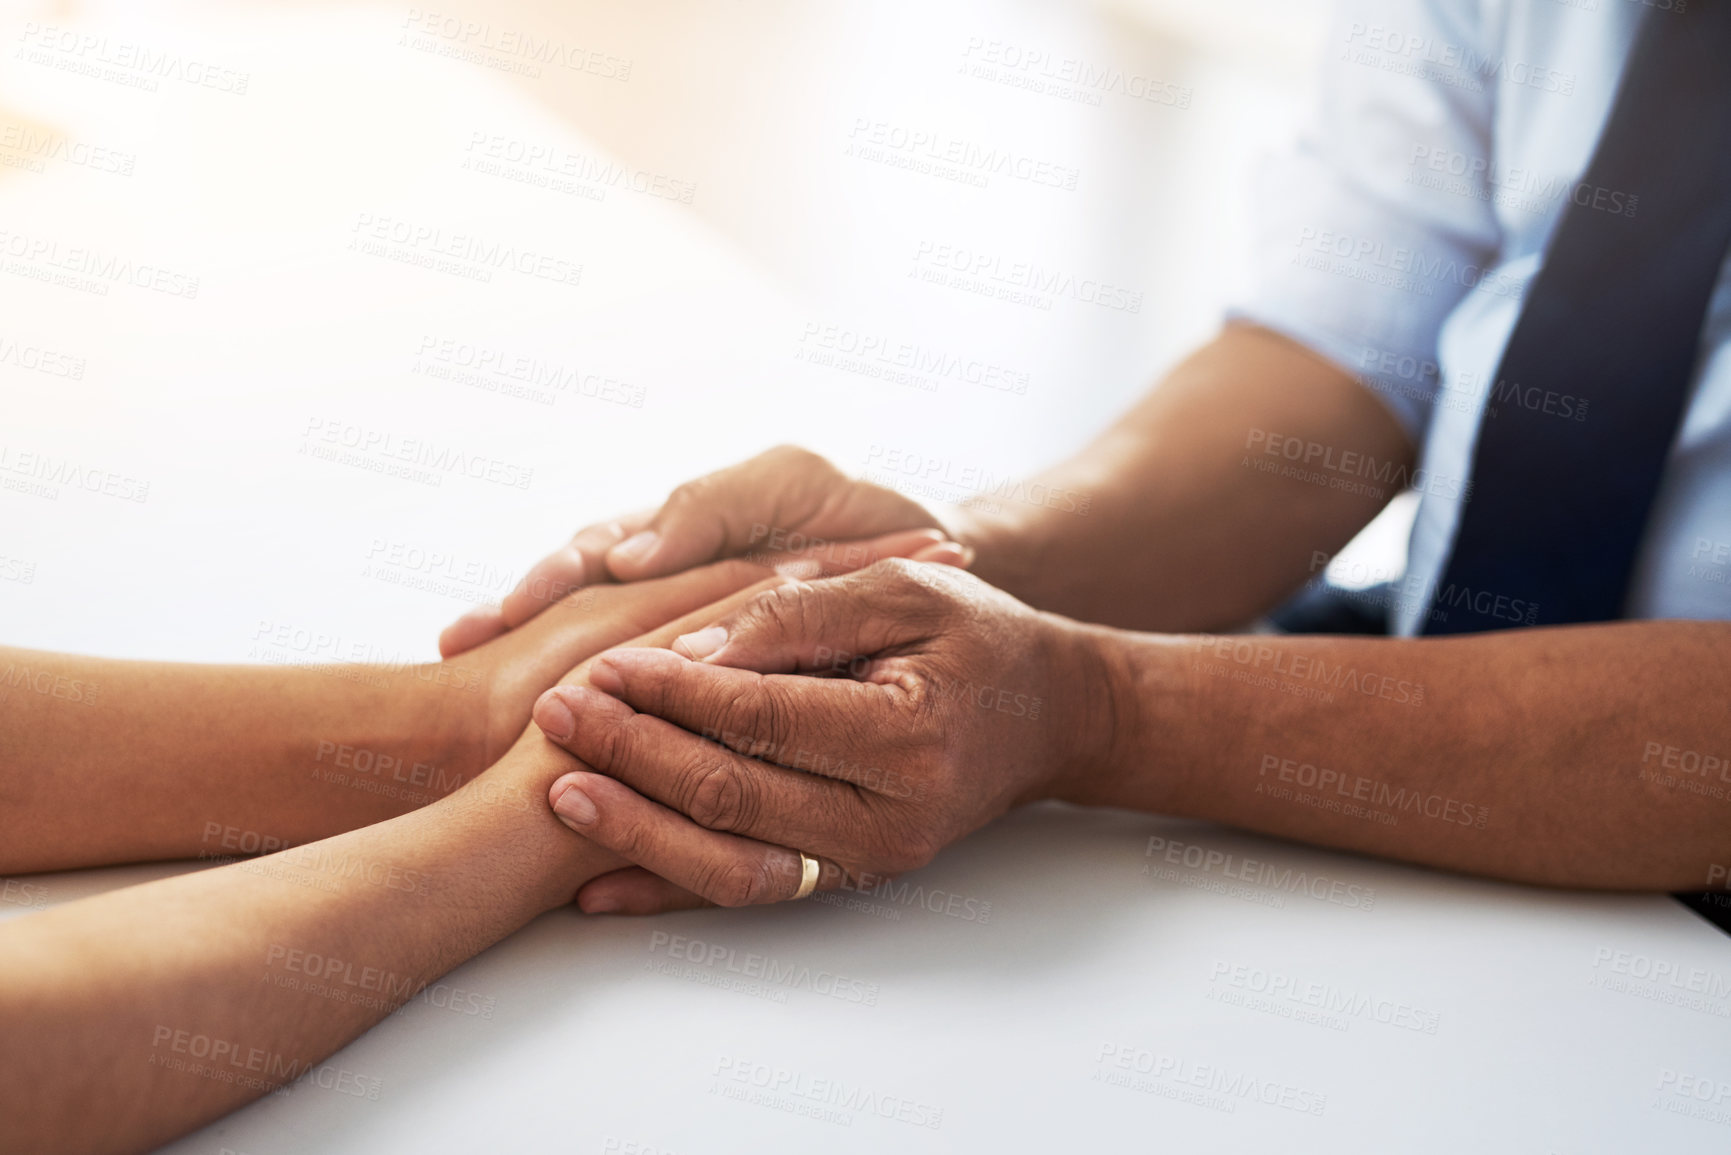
(935, 585)
(599, 536)
(774, 718)
(756, 719)
(611, 746)
(898, 570)
(937, 581)
(788, 456)
(738, 882)
(780, 608)
(721, 798)
(792, 610)
(736, 711)
(927, 596)
(633, 839)
(906, 588)
(690, 495)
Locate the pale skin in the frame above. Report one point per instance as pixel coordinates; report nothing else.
(173, 1002)
(1536, 755)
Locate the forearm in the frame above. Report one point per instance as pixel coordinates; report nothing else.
(1179, 517)
(127, 996)
(176, 1001)
(1552, 756)
(106, 761)
(141, 760)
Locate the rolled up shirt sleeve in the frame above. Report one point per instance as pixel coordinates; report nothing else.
(1380, 220)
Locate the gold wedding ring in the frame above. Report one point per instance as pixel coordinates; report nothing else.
(807, 875)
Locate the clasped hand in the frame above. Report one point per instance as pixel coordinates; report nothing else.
(867, 719)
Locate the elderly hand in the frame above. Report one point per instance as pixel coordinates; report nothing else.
(867, 720)
(784, 500)
(506, 675)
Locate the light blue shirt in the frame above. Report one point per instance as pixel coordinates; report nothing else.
(1400, 237)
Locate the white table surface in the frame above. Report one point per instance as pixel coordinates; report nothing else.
(1465, 1015)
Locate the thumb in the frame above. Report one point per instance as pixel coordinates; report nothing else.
(779, 500)
(833, 627)
(581, 562)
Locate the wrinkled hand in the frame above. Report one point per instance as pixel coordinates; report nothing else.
(868, 720)
(786, 499)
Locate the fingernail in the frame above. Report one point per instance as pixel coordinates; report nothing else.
(600, 906)
(576, 807)
(555, 717)
(701, 644)
(636, 548)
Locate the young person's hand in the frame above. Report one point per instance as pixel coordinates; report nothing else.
(786, 499)
(106, 992)
(496, 684)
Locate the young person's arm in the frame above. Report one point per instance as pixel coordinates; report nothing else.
(134, 1016)
(105, 761)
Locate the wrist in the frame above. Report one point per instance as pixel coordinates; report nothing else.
(444, 706)
(1133, 700)
(1087, 718)
(549, 862)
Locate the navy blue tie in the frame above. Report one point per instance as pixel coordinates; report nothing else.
(1612, 321)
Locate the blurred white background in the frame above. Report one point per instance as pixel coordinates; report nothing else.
(216, 220)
